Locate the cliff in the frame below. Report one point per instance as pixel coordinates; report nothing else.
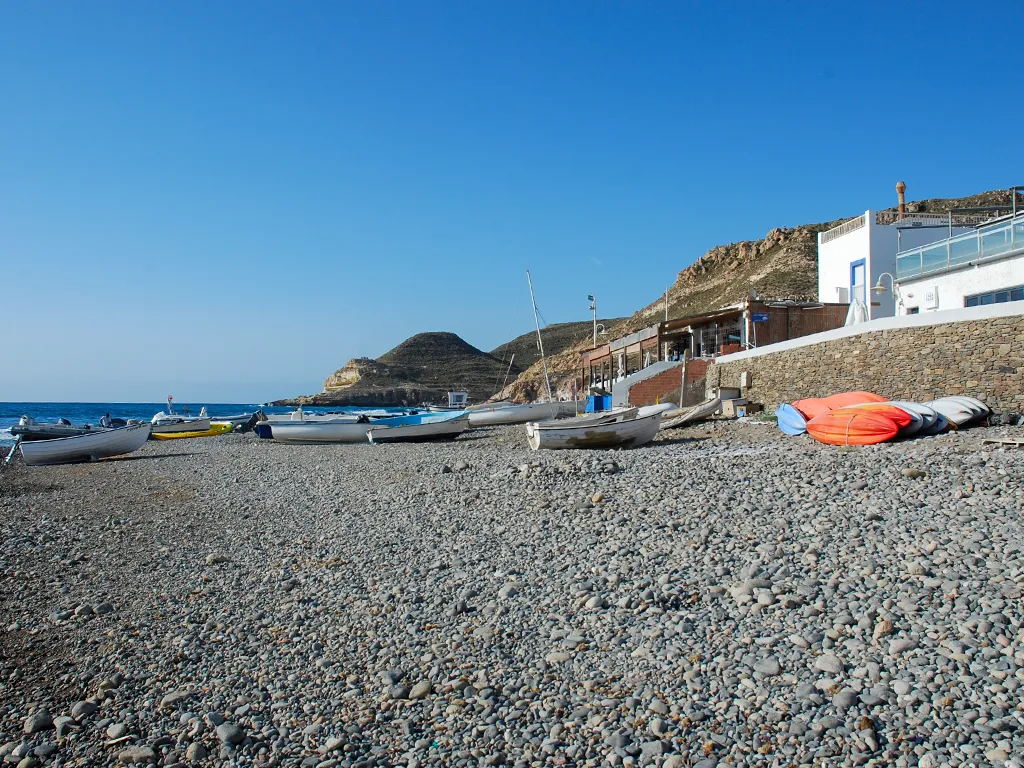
(423, 368)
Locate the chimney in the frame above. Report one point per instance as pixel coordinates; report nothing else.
(901, 188)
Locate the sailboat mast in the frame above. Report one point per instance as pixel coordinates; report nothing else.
(540, 342)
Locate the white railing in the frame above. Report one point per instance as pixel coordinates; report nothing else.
(935, 219)
(843, 229)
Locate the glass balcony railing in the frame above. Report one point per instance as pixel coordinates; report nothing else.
(984, 243)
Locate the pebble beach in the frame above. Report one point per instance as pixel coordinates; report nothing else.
(725, 596)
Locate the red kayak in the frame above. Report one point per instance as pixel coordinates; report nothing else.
(852, 426)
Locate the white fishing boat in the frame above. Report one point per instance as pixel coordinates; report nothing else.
(347, 431)
(584, 433)
(169, 421)
(350, 431)
(521, 413)
(708, 408)
(90, 447)
(418, 429)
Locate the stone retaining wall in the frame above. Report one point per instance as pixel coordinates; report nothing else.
(982, 358)
(664, 387)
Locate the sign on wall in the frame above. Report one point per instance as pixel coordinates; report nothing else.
(759, 317)
(931, 298)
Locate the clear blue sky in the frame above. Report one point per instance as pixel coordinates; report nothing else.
(228, 200)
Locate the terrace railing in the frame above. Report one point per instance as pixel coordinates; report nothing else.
(911, 220)
(845, 228)
(989, 242)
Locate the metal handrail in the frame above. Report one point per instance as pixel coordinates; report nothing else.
(907, 266)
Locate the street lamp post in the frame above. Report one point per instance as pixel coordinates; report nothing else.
(593, 305)
(879, 289)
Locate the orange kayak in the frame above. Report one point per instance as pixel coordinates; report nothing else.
(811, 407)
(900, 417)
(852, 426)
(843, 399)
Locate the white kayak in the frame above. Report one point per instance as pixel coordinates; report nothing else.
(928, 415)
(521, 413)
(585, 433)
(979, 410)
(90, 447)
(957, 413)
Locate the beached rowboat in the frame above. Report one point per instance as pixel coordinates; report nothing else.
(433, 426)
(348, 431)
(626, 433)
(90, 447)
(521, 413)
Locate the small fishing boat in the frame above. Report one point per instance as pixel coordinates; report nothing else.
(215, 428)
(90, 447)
(28, 429)
(169, 421)
(351, 430)
(418, 429)
(625, 433)
(704, 410)
(237, 420)
(521, 413)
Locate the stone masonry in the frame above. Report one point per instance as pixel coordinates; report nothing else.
(980, 358)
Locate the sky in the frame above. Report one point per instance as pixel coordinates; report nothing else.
(227, 201)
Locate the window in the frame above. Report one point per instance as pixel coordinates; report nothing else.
(913, 310)
(995, 297)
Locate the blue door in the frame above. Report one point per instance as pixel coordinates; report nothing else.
(858, 281)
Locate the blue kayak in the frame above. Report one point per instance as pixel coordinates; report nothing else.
(791, 421)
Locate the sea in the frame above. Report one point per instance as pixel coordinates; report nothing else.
(91, 413)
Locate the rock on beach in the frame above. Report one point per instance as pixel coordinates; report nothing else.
(799, 605)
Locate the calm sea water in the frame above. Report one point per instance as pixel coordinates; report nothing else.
(90, 413)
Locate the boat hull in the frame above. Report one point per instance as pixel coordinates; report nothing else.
(852, 426)
(524, 413)
(91, 447)
(33, 432)
(191, 425)
(418, 433)
(626, 433)
(696, 413)
(217, 428)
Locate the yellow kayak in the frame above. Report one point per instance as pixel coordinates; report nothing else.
(216, 428)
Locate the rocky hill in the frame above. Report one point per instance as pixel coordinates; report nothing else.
(783, 265)
(423, 368)
(557, 337)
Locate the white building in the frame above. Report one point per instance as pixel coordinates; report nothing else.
(853, 256)
(983, 266)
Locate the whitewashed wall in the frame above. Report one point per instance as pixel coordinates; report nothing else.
(876, 244)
